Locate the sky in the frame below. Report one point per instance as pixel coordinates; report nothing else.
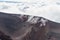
(32, 0)
(49, 9)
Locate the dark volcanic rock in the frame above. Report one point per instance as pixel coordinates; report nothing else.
(21, 27)
(38, 32)
(4, 36)
(8, 22)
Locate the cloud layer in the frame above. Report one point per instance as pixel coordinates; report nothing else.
(48, 9)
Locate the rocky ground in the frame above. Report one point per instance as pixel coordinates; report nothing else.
(26, 27)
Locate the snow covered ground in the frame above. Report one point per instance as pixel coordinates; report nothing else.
(49, 9)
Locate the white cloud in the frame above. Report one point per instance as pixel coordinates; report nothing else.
(50, 11)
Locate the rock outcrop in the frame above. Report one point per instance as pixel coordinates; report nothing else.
(26, 27)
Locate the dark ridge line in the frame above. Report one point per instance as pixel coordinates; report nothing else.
(28, 15)
(8, 14)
